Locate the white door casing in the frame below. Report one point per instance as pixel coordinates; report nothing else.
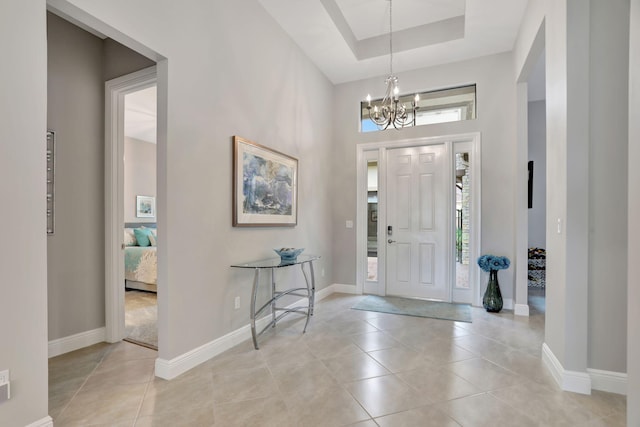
(419, 182)
(115, 91)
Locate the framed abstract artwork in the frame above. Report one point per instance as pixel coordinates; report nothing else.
(265, 186)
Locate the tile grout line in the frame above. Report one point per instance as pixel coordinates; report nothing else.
(83, 384)
(144, 395)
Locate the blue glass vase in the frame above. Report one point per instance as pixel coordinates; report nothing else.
(492, 300)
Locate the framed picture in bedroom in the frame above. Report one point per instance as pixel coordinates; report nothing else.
(265, 186)
(145, 206)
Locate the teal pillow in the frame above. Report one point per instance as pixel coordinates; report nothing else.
(142, 236)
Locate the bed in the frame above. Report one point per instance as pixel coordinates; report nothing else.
(140, 257)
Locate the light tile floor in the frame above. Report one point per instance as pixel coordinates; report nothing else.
(351, 368)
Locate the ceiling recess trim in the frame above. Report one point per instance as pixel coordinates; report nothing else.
(407, 39)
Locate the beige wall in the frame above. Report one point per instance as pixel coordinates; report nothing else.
(139, 175)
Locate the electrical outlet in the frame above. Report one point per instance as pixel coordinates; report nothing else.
(4, 377)
(5, 386)
(322, 272)
(5, 392)
(237, 303)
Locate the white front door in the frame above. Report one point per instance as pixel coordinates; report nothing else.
(418, 224)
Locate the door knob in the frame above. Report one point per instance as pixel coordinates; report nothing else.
(391, 241)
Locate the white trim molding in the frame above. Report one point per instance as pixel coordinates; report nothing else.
(170, 369)
(575, 381)
(507, 304)
(115, 91)
(372, 150)
(77, 341)
(44, 422)
(521, 310)
(609, 381)
(338, 288)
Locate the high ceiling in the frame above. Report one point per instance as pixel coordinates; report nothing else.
(348, 39)
(140, 114)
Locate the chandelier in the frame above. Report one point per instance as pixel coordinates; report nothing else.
(391, 111)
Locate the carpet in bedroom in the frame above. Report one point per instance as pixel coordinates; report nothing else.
(141, 317)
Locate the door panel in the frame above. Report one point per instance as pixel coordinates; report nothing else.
(418, 206)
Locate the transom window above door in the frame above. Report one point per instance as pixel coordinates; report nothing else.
(437, 106)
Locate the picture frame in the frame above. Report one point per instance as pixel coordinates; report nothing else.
(265, 186)
(145, 206)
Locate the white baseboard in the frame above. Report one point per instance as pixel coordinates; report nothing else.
(609, 381)
(77, 341)
(577, 382)
(343, 289)
(507, 303)
(169, 369)
(44, 422)
(370, 288)
(521, 310)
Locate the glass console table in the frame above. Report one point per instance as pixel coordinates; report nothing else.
(306, 292)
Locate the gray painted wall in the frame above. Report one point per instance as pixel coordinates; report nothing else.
(586, 176)
(257, 84)
(609, 91)
(633, 314)
(139, 175)
(496, 121)
(120, 60)
(196, 161)
(23, 258)
(77, 64)
(76, 113)
(537, 152)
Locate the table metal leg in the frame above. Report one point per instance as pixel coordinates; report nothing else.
(254, 292)
(310, 291)
(273, 300)
(312, 303)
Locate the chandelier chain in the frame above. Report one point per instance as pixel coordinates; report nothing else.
(391, 37)
(391, 111)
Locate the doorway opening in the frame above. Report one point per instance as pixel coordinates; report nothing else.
(408, 215)
(536, 188)
(131, 227)
(140, 228)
